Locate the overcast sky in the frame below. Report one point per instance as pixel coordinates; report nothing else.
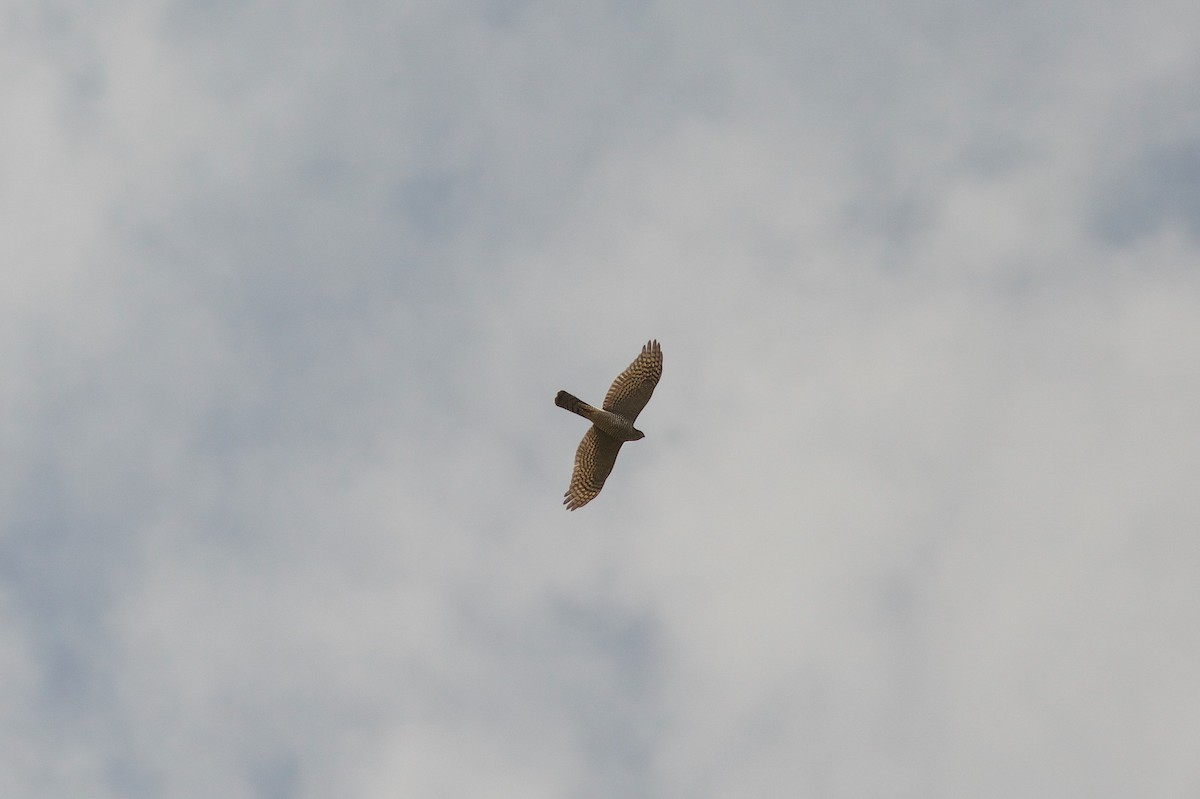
(288, 290)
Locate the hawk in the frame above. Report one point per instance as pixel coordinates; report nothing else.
(612, 425)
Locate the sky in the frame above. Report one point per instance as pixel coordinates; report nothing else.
(289, 288)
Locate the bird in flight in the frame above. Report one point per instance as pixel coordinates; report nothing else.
(612, 425)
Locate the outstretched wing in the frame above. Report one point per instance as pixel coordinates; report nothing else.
(630, 392)
(593, 461)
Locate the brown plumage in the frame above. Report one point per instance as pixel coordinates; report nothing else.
(612, 425)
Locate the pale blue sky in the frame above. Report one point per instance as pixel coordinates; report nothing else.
(289, 289)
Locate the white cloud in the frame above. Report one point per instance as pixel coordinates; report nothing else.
(291, 292)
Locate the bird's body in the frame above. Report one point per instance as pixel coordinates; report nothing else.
(612, 425)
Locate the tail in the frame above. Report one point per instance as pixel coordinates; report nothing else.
(574, 404)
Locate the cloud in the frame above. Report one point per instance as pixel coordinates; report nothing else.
(292, 292)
